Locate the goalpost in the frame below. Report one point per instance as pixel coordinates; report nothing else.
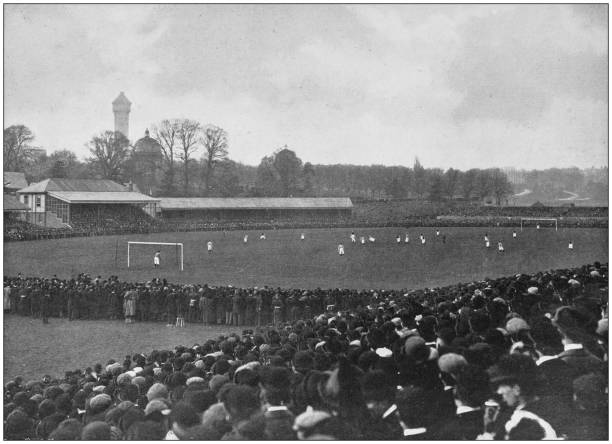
(176, 244)
(546, 219)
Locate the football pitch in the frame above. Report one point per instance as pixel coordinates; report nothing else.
(284, 260)
(32, 349)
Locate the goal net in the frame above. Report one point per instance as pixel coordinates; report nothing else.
(138, 252)
(539, 222)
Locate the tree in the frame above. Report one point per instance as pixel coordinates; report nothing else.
(436, 186)
(395, 188)
(166, 134)
(227, 181)
(468, 183)
(62, 163)
(110, 151)
(451, 182)
(289, 168)
(268, 181)
(500, 185)
(308, 174)
(17, 149)
(188, 135)
(419, 177)
(214, 141)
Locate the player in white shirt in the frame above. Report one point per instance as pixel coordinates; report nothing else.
(372, 238)
(571, 245)
(537, 226)
(437, 232)
(302, 237)
(407, 239)
(500, 247)
(209, 246)
(341, 249)
(398, 239)
(262, 236)
(362, 240)
(157, 259)
(422, 239)
(353, 238)
(245, 239)
(513, 234)
(487, 243)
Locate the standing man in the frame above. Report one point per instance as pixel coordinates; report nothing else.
(500, 247)
(362, 240)
(209, 246)
(353, 237)
(571, 245)
(486, 239)
(45, 304)
(262, 236)
(302, 237)
(407, 239)
(341, 249)
(398, 239)
(513, 234)
(422, 239)
(245, 239)
(157, 259)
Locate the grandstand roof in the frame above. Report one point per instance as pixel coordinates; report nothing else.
(91, 185)
(254, 203)
(117, 197)
(10, 203)
(14, 180)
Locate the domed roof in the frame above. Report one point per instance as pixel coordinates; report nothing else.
(147, 145)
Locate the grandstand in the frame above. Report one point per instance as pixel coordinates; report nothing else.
(254, 209)
(85, 204)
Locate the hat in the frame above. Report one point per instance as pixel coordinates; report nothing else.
(309, 419)
(157, 391)
(532, 290)
(157, 405)
(355, 343)
(98, 389)
(514, 325)
(451, 363)
(124, 378)
(100, 402)
(416, 349)
(217, 382)
(96, 431)
(384, 352)
(199, 363)
(194, 379)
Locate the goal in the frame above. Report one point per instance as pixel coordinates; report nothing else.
(178, 246)
(539, 219)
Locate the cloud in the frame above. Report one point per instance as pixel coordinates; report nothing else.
(455, 85)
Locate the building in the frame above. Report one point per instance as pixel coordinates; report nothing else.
(121, 109)
(60, 203)
(13, 181)
(210, 209)
(147, 159)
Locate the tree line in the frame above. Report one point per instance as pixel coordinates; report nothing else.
(192, 159)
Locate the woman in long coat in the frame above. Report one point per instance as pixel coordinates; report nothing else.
(129, 305)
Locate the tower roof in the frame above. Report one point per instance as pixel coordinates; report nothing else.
(121, 100)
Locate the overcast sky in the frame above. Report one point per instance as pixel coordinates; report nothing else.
(458, 86)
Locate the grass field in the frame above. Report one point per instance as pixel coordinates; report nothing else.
(33, 349)
(283, 260)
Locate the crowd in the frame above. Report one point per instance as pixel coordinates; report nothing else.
(91, 221)
(520, 357)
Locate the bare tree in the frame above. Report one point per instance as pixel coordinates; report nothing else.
(110, 151)
(188, 135)
(16, 149)
(166, 134)
(214, 141)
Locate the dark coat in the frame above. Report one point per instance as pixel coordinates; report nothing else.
(581, 362)
(466, 426)
(279, 425)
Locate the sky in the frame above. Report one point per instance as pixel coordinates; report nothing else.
(462, 86)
